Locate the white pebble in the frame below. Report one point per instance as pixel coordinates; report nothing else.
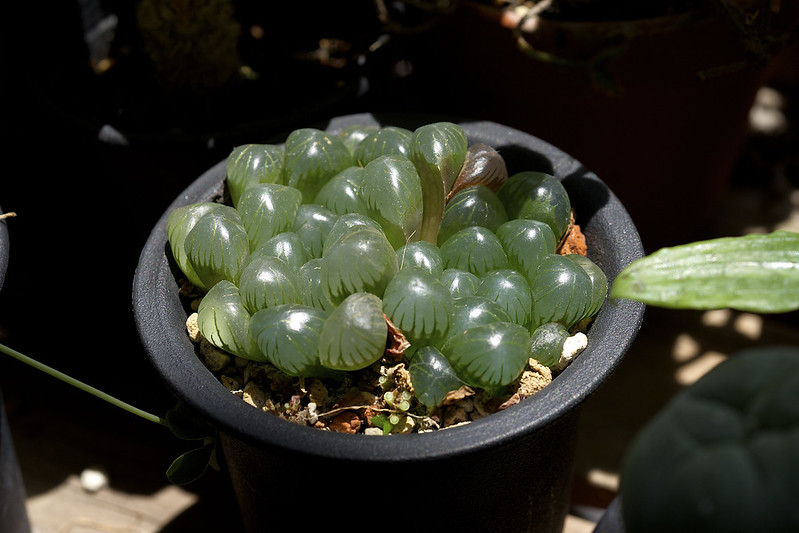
(93, 479)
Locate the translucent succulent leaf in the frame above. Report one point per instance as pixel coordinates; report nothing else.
(471, 311)
(342, 194)
(484, 166)
(354, 134)
(179, 223)
(460, 282)
(432, 376)
(599, 282)
(392, 192)
(547, 343)
(474, 249)
(312, 224)
(289, 337)
(310, 286)
(561, 292)
(346, 223)
(268, 209)
(438, 151)
(354, 335)
(388, 140)
(537, 196)
(421, 254)
(217, 246)
(757, 273)
(225, 322)
(362, 260)
(287, 246)
(312, 157)
(511, 291)
(489, 356)
(526, 242)
(267, 281)
(473, 206)
(419, 305)
(250, 164)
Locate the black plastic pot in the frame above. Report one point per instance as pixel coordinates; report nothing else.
(13, 512)
(508, 472)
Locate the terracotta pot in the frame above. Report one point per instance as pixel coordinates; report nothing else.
(658, 106)
(510, 471)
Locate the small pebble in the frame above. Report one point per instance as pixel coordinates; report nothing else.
(93, 479)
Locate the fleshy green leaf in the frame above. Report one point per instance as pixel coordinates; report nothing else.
(312, 157)
(179, 224)
(418, 304)
(250, 164)
(438, 151)
(392, 193)
(267, 281)
(217, 246)
(489, 356)
(289, 337)
(354, 335)
(432, 376)
(757, 273)
(474, 206)
(537, 196)
(225, 322)
(268, 209)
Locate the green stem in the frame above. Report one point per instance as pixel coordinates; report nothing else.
(83, 386)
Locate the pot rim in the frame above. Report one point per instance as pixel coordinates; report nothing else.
(155, 300)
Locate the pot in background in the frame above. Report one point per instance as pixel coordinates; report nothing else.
(510, 471)
(13, 512)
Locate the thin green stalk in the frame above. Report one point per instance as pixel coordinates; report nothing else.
(83, 386)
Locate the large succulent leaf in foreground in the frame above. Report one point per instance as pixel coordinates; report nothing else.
(432, 376)
(723, 454)
(757, 273)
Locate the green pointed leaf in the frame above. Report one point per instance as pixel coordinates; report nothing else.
(191, 465)
(757, 273)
